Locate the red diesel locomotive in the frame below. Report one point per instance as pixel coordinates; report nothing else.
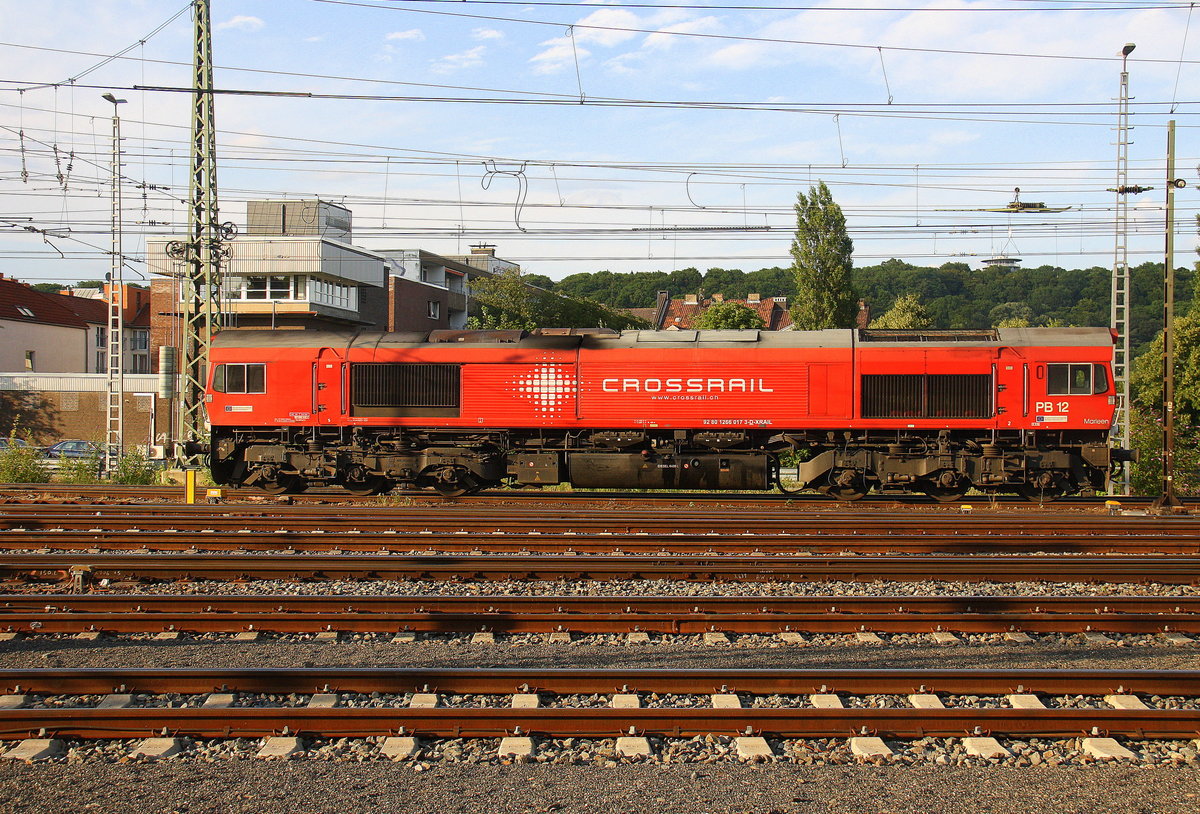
(1023, 410)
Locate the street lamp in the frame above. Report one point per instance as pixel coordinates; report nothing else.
(114, 437)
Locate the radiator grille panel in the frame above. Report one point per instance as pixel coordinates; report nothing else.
(404, 386)
(966, 395)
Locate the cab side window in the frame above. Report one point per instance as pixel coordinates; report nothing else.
(248, 378)
(1076, 379)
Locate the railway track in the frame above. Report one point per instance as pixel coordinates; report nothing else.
(84, 567)
(811, 719)
(73, 613)
(566, 520)
(280, 540)
(35, 491)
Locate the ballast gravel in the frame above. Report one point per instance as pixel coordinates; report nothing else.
(635, 587)
(600, 786)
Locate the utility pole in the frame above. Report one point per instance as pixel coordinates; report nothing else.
(1167, 500)
(114, 437)
(204, 249)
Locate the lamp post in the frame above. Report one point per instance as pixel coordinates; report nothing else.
(115, 429)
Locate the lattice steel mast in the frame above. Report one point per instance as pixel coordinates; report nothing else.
(204, 249)
(1119, 312)
(114, 437)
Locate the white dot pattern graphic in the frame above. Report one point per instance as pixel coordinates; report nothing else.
(551, 388)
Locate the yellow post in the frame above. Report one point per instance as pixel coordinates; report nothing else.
(189, 485)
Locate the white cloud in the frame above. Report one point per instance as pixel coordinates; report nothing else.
(410, 34)
(486, 34)
(313, 39)
(558, 53)
(666, 37)
(241, 23)
(471, 58)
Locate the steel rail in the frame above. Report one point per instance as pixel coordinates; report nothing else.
(598, 722)
(567, 681)
(354, 541)
(559, 520)
(290, 614)
(1115, 568)
(595, 722)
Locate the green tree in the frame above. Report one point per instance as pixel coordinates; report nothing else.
(1011, 315)
(906, 312)
(822, 263)
(727, 316)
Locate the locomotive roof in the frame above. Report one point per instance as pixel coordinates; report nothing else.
(1008, 337)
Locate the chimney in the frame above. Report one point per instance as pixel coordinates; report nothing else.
(484, 250)
(753, 299)
(718, 298)
(863, 318)
(691, 299)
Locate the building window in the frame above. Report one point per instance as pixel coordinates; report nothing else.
(101, 361)
(250, 378)
(101, 336)
(140, 340)
(435, 309)
(141, 364)
(29, 363)
(25, 311)
(265, 287)
(336, 294)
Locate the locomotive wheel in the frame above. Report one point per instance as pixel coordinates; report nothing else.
(943, 494)
(372, 485)
(1038, 494)
(846, 484)
(1043, 487)
(946, 488)
(455, 482)
(283, 485)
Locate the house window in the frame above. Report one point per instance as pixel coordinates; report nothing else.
(251, 378)
(338, 295)
(265, 287)
(25, 311)
(101, 336)
(435, 309)
(141, 364)
(101, 361)
(140, 340)
(29, 363)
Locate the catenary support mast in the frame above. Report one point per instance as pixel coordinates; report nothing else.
(204, 249)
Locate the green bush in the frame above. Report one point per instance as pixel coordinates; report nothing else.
(83, 471)
(134, 469)
(22, 464)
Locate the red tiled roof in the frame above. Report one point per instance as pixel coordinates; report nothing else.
(90, 310)
(17, 298)
(682, 315)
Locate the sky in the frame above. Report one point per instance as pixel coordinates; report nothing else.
(613, 136)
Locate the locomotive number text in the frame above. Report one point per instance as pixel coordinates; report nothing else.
(1051, 407)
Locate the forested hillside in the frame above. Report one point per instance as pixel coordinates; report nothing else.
(955, 295)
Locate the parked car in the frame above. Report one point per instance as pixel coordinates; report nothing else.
(5, 443)
(71, 449)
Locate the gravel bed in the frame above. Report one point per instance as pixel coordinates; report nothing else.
(644, 587)
(700, 749)
(255, 787)
(752, 642)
